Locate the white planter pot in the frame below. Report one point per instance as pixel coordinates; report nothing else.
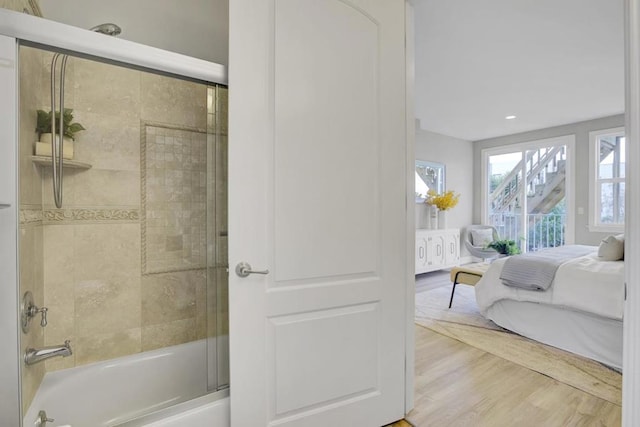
(43, 147)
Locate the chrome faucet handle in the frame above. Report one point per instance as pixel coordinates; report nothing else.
(43, 321)
(28, 310)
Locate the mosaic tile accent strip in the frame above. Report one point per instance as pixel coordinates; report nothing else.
(52, 216)
(174, 199)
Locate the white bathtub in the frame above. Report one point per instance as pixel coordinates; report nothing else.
(116, 391)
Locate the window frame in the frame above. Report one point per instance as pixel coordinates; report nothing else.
(595, 208)
(569, 141)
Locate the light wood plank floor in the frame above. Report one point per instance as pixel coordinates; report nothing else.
(460, 385)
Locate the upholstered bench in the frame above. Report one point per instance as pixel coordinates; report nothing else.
(468, 274)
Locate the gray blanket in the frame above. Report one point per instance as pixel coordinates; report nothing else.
(535, 271)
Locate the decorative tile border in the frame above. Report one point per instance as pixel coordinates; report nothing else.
(85, 215)
(30, 216)
(39, 216)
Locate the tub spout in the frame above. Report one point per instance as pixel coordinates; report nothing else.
(33, 355)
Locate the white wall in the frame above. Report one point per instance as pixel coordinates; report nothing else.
(198, 28)
(457, 156)
(581, 131)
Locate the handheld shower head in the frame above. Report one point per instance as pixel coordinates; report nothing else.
(108, 29)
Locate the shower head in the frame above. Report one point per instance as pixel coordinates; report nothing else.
(108, 29)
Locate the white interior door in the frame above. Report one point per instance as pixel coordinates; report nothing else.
(317, 180)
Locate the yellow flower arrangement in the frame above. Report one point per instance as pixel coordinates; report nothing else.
(444, 201)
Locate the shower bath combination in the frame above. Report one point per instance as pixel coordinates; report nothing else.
(131, 267)
(29, 309)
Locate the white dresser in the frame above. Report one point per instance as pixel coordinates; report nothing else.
(437, 249)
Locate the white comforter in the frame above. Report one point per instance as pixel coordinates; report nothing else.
(584, 283)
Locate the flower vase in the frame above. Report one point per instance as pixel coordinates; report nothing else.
(433, 214)
(427, 217)
(442, 220)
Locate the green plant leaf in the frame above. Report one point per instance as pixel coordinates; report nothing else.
(75, 127)
(505, 246)
(43, 122)
(69, 129)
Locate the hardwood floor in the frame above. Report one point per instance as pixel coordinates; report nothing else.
(460, 385)
(432, 280)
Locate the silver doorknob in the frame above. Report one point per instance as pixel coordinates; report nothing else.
(243, 269)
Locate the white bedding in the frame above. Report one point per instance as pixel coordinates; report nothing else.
(586, 284)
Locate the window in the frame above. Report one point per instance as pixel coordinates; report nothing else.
(528, 192)
(607, 183)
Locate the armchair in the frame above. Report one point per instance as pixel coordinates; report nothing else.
(478, 249)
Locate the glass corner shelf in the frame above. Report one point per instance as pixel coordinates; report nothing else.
(67, 163)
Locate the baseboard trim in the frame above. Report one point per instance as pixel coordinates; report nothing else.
(466, 260)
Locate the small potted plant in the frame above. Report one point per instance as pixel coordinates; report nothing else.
(505, 247)
(69, 129)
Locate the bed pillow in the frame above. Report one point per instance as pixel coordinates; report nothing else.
(612, 248)
(481, 237)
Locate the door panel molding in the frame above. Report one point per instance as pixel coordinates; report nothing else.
(308, 124)
(343, 362)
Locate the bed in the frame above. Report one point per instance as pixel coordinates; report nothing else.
(581, 311)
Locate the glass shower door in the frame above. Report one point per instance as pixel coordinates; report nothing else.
(217, 239)
(132, 265)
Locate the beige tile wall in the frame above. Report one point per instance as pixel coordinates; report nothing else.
(90, 250)
(110, 308)
(31, 268)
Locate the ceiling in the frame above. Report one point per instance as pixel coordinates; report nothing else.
(548, 62)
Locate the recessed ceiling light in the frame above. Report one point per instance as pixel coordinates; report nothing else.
(510, 117)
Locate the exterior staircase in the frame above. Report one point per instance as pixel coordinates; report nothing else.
(545, 182)
(543, 172)
(547, 195)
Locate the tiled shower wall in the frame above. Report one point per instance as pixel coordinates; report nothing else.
(31, 266)
(98, 293)
(174, 190)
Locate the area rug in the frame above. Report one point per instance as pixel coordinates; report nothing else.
(433, 304)
(464, 323)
